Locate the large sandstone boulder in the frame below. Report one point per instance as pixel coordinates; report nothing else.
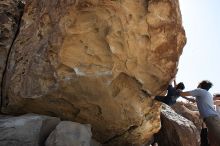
(10, 14)
(176, 130)
(26, 130)
(95, 61)
(70, 134)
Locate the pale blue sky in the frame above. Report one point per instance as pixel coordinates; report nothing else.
(200, 59)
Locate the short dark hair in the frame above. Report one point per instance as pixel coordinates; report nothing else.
(205, 84)
(180, 86)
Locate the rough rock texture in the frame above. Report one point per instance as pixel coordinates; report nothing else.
(10, 14)
(176, 130)
(95, 61)
(190, 112)
(95, 143)
(70, 134)
(26, 130)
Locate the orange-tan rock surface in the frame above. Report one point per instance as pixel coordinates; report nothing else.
(95, 61)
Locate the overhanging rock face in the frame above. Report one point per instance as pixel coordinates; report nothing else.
(95, 61)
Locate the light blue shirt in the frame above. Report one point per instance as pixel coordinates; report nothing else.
(204, 102)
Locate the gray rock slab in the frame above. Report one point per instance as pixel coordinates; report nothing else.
(26, 130)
